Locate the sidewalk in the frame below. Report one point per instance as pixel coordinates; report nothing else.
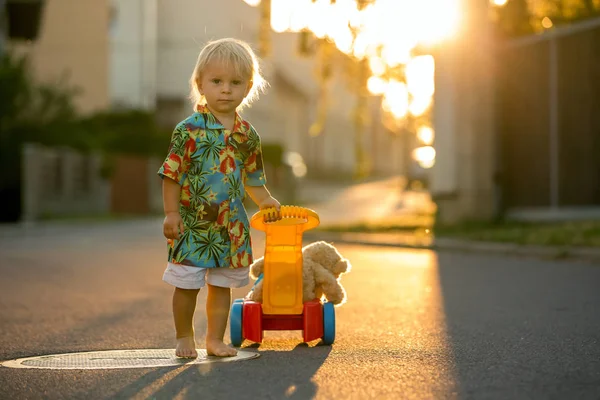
(384, 201)
(372, 202)
(405, 240)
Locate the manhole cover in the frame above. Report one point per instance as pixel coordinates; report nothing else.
(120, 359)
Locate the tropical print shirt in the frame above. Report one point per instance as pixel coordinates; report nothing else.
(212, 165)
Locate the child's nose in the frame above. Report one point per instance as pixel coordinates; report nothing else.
(226, 88)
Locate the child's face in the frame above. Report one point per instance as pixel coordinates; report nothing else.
(222, 87)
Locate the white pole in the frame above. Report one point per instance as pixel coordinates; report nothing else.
(553, 139)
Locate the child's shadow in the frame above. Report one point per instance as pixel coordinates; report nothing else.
(287, 374)
(274, 375)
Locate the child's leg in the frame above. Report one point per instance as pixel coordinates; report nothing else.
(184, 305)
(217, 311)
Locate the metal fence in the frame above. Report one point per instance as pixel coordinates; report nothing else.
(59, 182)
(548, 109)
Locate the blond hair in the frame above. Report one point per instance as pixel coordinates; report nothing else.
(234, 51)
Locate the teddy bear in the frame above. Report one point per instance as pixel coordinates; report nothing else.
(323, 266)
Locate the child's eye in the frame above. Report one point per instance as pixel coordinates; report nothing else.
(237, 82)
(216, 81)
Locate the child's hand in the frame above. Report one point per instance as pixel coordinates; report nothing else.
(173, 226)
(270, 202)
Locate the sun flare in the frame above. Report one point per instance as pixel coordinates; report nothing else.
(385, 32)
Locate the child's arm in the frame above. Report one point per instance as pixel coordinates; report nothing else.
(261, 196)
(173, 224)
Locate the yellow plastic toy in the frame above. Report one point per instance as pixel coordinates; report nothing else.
(282, 307)
(282, 293)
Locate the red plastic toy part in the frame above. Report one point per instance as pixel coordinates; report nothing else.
(310, 322)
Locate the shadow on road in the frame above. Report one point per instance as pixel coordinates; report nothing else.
(276, 374)
(521, 328)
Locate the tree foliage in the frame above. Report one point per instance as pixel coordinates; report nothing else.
(45, 114)
(521, 17)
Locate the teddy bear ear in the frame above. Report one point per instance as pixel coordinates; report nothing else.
(317, 247)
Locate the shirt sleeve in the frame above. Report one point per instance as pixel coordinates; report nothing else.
(254, 174)
(177, 161)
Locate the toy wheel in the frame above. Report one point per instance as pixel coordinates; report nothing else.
(235, 322)
(328, 323)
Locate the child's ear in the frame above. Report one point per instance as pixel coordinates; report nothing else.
(250, 84)
(199, 85)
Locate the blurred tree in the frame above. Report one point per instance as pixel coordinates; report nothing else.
(24, 102)
(514, 18)
(522, 17)
(15, 91)
(28, 112)
(563, 11)
(45, 113)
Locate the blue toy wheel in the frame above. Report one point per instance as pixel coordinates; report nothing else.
(328, 323)
(235, 322)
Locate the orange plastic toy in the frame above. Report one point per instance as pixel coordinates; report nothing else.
(283, 257)
(282, 307)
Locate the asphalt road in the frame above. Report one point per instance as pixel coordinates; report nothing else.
(418, 324)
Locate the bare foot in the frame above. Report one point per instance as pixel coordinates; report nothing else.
(186, 347)
(219, 349)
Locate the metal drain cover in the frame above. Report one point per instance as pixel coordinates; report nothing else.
(120, 359)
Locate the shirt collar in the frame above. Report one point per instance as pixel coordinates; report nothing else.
(239, 126)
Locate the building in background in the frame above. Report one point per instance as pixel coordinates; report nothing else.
(132, 33)
(153, 48)
(72, 48)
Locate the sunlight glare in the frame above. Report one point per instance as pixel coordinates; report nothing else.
(321, 15)
(396, 98)
(425, 156)
(343, 41)
(281, 14)
(419, 105)
(396, 52)
(385, 33)
(301, 16)
(426, 135)
(376, 85)
(377, 66)
(361, 43)
(420, 76)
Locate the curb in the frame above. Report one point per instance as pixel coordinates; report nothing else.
(411, 241)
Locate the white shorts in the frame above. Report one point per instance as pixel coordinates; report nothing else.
(186, 277)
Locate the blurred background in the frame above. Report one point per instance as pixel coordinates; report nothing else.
(484, 109)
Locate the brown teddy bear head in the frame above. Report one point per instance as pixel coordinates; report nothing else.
(327, 255)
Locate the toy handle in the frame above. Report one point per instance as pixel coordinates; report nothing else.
(290, 215)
